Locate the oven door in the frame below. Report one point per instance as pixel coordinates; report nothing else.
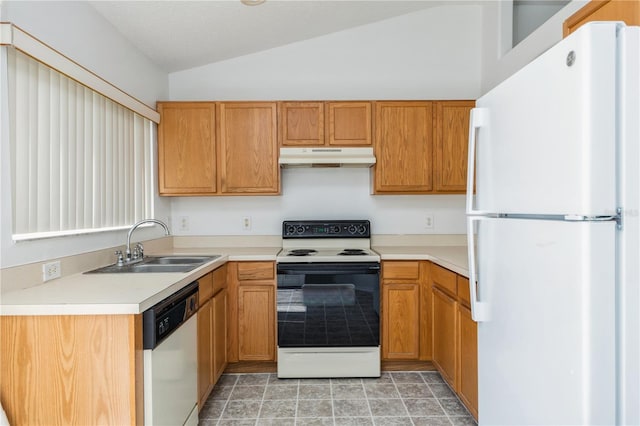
(328, 305)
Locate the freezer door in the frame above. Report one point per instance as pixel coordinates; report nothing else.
(545, 137)
(546, 353)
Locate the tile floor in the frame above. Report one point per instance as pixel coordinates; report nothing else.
(396, 398)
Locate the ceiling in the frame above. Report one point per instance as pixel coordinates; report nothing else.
(178, 35)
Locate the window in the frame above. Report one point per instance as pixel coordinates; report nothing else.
(80, 162)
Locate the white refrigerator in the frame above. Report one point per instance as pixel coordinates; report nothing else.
(554, 235)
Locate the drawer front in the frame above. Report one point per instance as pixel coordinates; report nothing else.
(219, 279)
(401, 270)
(463, 291)
(205, 288)
(254, 271)
(444, 279)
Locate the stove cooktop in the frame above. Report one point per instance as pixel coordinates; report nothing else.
(327, 241)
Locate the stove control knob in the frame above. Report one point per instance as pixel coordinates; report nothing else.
(335, 229)
(352, 229)
(362, 229)
(300, 230)
(290, 229)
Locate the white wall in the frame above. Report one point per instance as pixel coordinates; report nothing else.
(77, 31)
(499, 61)
(431, 54)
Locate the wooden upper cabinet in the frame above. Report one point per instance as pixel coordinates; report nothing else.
(451, 147)
(301, 123)
(348, 123)
(403, 147)
(627, 11)
(324, 123)
(248, 148)
(186, 148)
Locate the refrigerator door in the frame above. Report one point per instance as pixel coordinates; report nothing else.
(545, 137)
(546, 352)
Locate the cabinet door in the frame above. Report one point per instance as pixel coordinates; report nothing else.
(301, 123)
(256, 323)
(403, 147)
(400, 320)
(444, 334)
(186, 148)
(467, 385)
(349, 123)
(249, 148)
(451, 146)
(627, 11)
(219, 334)
(205, 365)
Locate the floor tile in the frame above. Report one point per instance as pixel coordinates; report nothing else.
(396, 398)
(351, 408)
(387, 407)
(314, 408)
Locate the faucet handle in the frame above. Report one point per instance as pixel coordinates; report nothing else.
(119, 257)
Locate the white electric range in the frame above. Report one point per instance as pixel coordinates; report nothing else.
(328, 300)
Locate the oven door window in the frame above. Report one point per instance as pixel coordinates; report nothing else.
(328, 307)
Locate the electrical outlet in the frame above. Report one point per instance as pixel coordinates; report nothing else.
(246, 223)
(428, 221)
(183, 223)
(51, 270)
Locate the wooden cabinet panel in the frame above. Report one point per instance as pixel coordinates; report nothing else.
(627, 11)
(463, 291)
(219, 278)
(349, 123)
(405, 270)
(256, 323)
(205, 345)
(205, 288)
(444, 279)
(451, 146)
(72, 369)
(219, 334)
(444, 335)
(301, 123)
(186, 148)
(403, 147)
(248, 148)
(400, 330)
(255, 271)
(467, 374)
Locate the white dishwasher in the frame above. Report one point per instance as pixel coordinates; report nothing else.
(170, 360)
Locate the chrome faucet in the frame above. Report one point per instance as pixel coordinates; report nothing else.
(138, 252)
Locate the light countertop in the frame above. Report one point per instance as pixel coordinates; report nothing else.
(109, 294)
(453, 258)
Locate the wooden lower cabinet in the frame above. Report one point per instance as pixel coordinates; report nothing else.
(205, 355)
(401, 308)
(72, 369)
(405, 320)
(252, 311)
(212, 331)
(219, 303)
(444, 335)
(455, 338)
(467, 362)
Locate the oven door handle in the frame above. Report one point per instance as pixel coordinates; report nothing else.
(327, 269)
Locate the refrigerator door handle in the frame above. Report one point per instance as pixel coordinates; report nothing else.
(479, 118)
(479, 310)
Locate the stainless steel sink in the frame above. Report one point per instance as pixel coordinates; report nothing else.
(157, 264)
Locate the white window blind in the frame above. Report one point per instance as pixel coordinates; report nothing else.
(80, 162)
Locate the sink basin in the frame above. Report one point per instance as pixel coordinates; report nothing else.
(157, 264)
(178, 260)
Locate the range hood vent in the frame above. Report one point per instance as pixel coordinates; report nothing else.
(326, 157)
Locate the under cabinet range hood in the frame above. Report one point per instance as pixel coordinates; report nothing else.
(327, 157)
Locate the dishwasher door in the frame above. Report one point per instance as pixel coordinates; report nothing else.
(170, 377)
